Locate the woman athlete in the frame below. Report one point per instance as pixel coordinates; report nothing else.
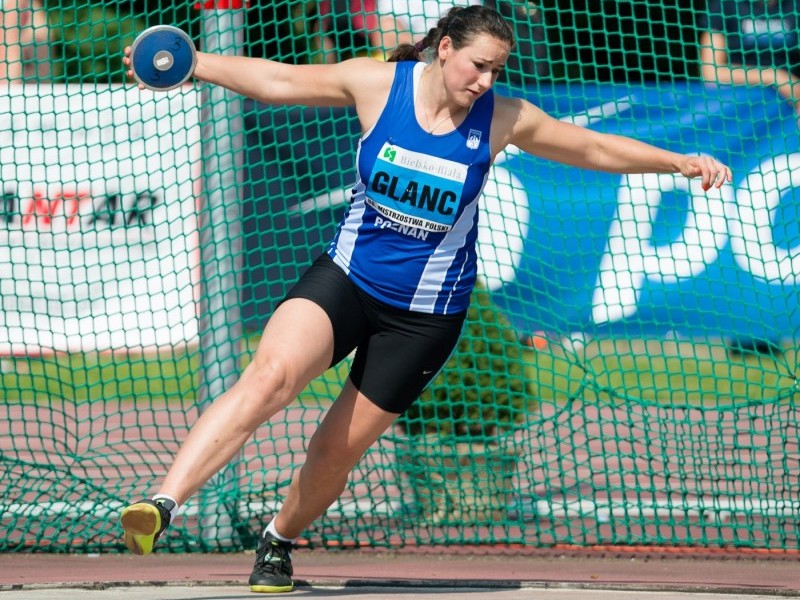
(395, 282)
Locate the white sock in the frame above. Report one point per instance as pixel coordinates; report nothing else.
(172, 513)
(274, 532)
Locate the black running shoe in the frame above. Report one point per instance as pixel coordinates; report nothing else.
(143, 522)
(272, 572)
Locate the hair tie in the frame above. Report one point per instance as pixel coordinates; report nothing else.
(420, 46)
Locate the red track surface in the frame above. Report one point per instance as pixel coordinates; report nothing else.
(609, 568)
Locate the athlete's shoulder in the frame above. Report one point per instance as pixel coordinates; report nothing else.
(368, 82)
(367, 76)
(512, 112)
(365, 69)
(514, 118)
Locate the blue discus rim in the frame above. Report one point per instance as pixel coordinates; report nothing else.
(163, 58)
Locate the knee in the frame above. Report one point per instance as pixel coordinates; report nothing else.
(269, 380)
(333, 453)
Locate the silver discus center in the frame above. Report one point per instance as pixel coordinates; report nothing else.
(163, 60)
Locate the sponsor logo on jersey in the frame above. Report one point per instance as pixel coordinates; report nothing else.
(416, 189)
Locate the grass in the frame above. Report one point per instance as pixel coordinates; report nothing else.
(661, 371)
(98, 376)
(684, 373)
(158, 377)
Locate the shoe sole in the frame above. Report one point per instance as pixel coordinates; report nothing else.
(271, 589)
(141, 523)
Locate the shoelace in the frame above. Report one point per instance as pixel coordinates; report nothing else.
(274, 557)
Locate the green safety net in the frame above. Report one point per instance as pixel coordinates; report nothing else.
(628, 371)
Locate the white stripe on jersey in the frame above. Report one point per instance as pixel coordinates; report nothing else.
(349, 233)
(432, 278)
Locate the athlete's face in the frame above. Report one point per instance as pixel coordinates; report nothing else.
(471, 70)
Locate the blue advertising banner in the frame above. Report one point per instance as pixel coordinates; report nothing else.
(647, 254)
(564, 249)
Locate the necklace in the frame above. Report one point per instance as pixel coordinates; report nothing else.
(428, 122)
(449, 115)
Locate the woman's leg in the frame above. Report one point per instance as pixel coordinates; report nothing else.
(350, 427)
(297, 345)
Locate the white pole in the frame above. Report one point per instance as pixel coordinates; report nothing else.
(222, 133)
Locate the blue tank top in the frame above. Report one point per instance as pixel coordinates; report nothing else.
(408, 237)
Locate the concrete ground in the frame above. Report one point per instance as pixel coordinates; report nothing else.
(383, 592)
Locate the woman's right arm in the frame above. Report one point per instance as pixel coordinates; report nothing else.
(358, 81)
(274, 82)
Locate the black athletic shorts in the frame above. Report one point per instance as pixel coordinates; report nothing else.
(398, 352)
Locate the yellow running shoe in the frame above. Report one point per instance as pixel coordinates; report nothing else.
(143, 522)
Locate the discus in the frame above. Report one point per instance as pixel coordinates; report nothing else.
(163, 57)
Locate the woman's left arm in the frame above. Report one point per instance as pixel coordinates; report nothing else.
(537, 133)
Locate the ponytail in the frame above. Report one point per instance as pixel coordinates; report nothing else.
(415, 52)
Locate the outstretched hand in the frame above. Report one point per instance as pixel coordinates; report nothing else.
(126, 60)
(710, 170)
